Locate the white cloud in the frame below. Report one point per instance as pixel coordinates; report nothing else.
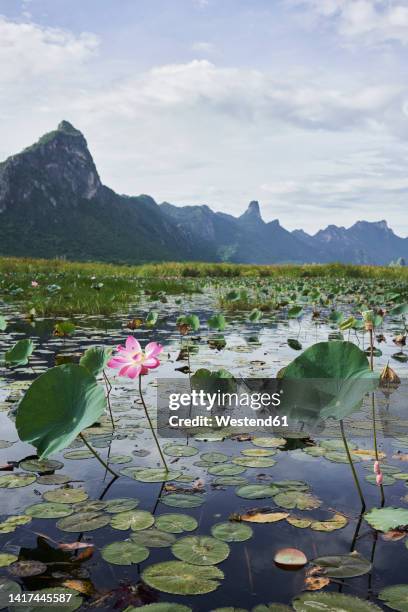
(362, 21)
(29, 51)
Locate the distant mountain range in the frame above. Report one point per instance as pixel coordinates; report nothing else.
(53, 204)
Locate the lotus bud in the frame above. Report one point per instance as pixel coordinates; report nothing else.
(389, 377)
(379, 479)
(368, 317)
(377, 469)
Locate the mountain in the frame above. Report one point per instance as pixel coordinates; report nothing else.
(363, 243)
(53, 203)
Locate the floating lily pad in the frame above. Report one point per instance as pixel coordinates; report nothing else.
(257, 491)
(12, 522)
(297, 499)
(181, 578)
(153, 538)
(14, 481)
(47, 510)
(269, 442)
(387, 480)
(258, 452)
(114, 506)
(183, 500)
(332, 601)
(120, 459)
(395, 597)
(53, 479)
(384, 519)
(66, 495)
(7, 559)
(40, 465)
(337, 522)
(343, 566)
(176, 523)
(230, 481)
(180, 450)
(272, 607)
(200, 550)
(124, 553)
(77, 455)
(8, 589)
(300, 523)
(74, 603)
(132, 519)
(214, 457)
(83, 521)
(24, 569)
(290, 558)
(232, 532)
(151, 474)
(254, 462)
(226, 469)
(90, 505)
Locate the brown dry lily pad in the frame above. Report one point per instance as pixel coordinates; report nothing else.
(259, 515)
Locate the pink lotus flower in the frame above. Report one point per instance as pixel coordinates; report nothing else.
(377, 469)
(34, 284)
(379, 479)
(133, 361)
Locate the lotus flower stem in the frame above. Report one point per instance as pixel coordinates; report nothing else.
(373, 412)
(151, 425)
(108, 392)
(99, 458)
(353, 469)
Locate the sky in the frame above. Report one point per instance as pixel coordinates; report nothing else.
(300, 104)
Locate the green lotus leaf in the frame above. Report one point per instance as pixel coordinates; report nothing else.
(74, 603)
(83, 521)
(214, 457)
(217, 321)
(226, 469)
(150, 474)
(297, 499)
(200, 550)
(385, 519)
(114, 506)
(268, 442)
(124, 553)
(38, 465)
(95, 359)
(181, 578)
(153, 538)
(258, 452)
(66, 495)
(176, 523)
(12, 522)
(232, 532)
(8, 588)
(395, 597)
(3, 323)
(254, 462)
(58, 406)
(183, 500)
(180, 450)
(47, 510)
(19, 353)
(14, 481)
(7, 559)
(343, 566)
(132, 519)
(230, 481)
(53, 479)
(332, 601)
(257, 491)
(329, 379)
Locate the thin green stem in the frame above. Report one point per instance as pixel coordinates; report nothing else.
(108, 392)
(373, 414)
(151, 425)
(99, 458)
(353, 469)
